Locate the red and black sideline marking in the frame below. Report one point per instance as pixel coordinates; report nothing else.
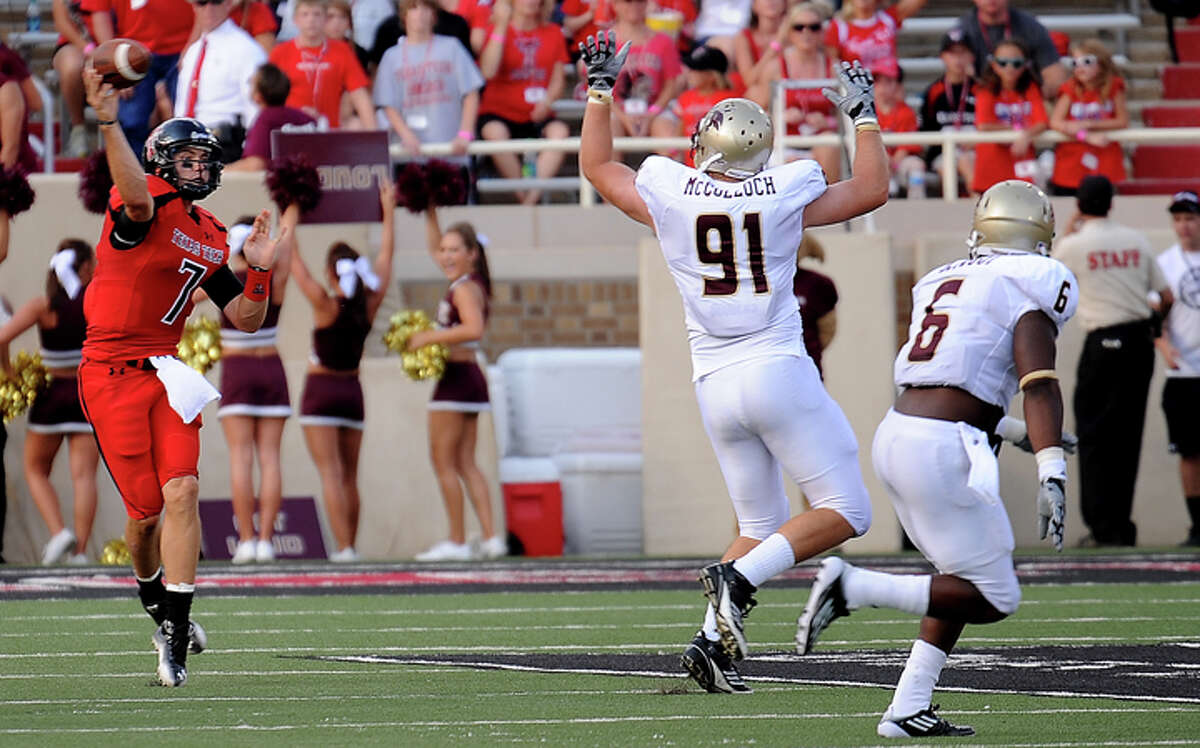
(547, 575)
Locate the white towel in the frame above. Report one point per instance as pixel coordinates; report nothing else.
(187, 389)
(984, 478)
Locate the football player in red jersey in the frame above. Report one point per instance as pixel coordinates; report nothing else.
(155, 249)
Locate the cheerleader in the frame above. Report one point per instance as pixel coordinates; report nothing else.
(461, 394)
(331, 407)
(254, 401)
(56, 414)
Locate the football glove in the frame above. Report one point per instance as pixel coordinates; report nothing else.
(1052, 511)
(1012, 430)
(859, 101)
(603, 60)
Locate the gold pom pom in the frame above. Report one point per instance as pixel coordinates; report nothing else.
(18, 391)
(427, 362)
(200, 346)
(115, 553)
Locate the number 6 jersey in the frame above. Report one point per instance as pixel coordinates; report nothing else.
(731, 249)
(141, 293)
(964, 314)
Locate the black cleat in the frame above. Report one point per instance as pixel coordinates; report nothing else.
(172, 655)
(924, 724)
(826, 603)
(711, 668)
(732, 598)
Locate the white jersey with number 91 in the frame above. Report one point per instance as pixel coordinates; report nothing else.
(731, 249)
(964, 314)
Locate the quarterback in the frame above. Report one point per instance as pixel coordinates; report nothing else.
(981, 329)
(728, 230)
(155, 249)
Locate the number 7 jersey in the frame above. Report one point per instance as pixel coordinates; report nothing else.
(141, 293)
(964, 315)
(731, 249)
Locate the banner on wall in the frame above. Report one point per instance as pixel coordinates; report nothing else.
(350, 163)
(297, 530)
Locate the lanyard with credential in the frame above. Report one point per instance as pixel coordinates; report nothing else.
(314, 77)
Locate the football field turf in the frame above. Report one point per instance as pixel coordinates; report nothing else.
(582, 654)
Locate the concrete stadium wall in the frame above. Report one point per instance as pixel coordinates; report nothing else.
(566, 242)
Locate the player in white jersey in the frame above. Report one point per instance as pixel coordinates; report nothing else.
(729, 232)
(981, 328)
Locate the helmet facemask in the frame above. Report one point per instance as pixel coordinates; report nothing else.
(164, 157)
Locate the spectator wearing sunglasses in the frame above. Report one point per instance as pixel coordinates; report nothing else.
(862, 31)
(993, 21)
(806, 110)
(1008, 98)
(1089, 104)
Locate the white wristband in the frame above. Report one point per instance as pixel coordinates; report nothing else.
(1052, 463)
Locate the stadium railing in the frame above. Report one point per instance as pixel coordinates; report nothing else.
(950, 140)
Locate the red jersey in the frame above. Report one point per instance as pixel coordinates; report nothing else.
(869, 40)
(807, 100)
(140, 297)
(603, 16)
(1019, 110)
(320, 75)
(162, 25)
(478, 13)
(900, 118)
(649, 68)
(258, 18)
(1074, 160)
(692, 105)
(528, 60)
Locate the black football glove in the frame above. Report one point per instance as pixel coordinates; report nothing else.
(603, 60)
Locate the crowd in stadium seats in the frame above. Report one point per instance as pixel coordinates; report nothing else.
(367, 64)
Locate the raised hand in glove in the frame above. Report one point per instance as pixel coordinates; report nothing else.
(1052, 511)
(603, 62)
(858, 103)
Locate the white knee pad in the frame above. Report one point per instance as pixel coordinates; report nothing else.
(763, 526)
(855, 509)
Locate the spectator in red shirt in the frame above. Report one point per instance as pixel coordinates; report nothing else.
(759, 45)
(74, 43)
(895, 115)
(524, 62)
(271, 88)
(583, 18)
(1008, 98)
(322, 70)
(15, 150)
(258, 20)
(706, 85)
(652, 75)
(861, 31)
(1091, 102)
(164, 27)
(806, 110)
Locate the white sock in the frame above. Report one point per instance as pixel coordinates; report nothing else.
(769, 558)
(907, 592)
(915, 689)
(710, 624)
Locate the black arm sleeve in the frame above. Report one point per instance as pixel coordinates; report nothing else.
(127, 233)
(222, 286)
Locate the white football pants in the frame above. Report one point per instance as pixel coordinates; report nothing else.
(925, 465)
(772, 411)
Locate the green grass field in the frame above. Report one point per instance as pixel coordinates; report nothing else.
(79, 672)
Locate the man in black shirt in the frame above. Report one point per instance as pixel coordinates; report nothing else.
(991, 21)
(949, 103)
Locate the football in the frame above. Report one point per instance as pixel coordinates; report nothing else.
(122, 62)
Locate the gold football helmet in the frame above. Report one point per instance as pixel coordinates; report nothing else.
(1011, 217)
(733, 139)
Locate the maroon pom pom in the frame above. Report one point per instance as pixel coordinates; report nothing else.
(294, 181)
(95, 183)
(15, 193)
(447, 186)
(412, 190)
